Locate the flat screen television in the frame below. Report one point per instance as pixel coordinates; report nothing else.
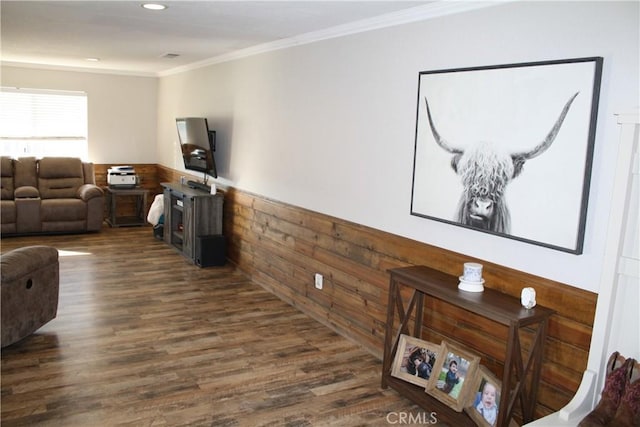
(197, 144)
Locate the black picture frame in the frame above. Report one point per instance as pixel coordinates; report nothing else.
(508, 149)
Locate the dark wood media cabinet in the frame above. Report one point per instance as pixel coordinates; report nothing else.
(521, 372)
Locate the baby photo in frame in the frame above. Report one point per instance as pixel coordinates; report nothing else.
(483, 403)
(452, 375)
(414, 360)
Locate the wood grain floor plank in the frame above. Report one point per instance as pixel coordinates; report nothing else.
(143, 338)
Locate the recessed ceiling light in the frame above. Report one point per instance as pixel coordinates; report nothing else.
(154, 6)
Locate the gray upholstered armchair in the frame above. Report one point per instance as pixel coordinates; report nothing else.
(29, 287)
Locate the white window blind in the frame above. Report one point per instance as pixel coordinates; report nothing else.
(43, 123)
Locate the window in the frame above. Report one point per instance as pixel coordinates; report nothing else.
(42, 123)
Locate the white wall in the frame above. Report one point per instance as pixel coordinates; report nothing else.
(329, 126)
(122, 110)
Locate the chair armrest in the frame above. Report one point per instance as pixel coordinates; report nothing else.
(25, 260)
(87, 192)
(26, 192)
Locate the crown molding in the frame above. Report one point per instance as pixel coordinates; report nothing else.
(54, 67)
(414, 14)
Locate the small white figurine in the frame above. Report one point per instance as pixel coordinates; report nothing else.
(528, 298)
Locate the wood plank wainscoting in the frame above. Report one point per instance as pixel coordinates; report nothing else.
(281, 247)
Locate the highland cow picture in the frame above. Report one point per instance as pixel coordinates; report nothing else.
(507, 149)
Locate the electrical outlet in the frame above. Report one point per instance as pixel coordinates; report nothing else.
(319, 280)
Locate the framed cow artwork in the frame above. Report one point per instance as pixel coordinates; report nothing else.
(507, 149)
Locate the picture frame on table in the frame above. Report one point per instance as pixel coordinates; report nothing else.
(415, 360)
(453, 375)
(483, 402)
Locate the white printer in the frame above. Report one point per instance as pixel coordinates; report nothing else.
(122, 177)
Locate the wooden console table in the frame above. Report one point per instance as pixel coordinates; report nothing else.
(521, 372)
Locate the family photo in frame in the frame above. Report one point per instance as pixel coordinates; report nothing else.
(452, 375)
(415, 360)
(496, 146)
(483, 403)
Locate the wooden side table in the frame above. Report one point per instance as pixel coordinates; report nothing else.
(112, 206)
(522, 364)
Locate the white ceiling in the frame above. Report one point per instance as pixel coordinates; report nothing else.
(129, 39)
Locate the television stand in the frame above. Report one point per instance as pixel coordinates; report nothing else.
(199, 186)
(191, 216)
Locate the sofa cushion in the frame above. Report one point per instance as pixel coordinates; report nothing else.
(6, 182)
(62, 210)
(26, 172)
(60, 177)
(8, 212)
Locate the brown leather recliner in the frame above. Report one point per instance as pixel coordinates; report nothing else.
(29, 289)
(49, 195)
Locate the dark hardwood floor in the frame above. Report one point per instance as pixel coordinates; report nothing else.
(144, 338)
